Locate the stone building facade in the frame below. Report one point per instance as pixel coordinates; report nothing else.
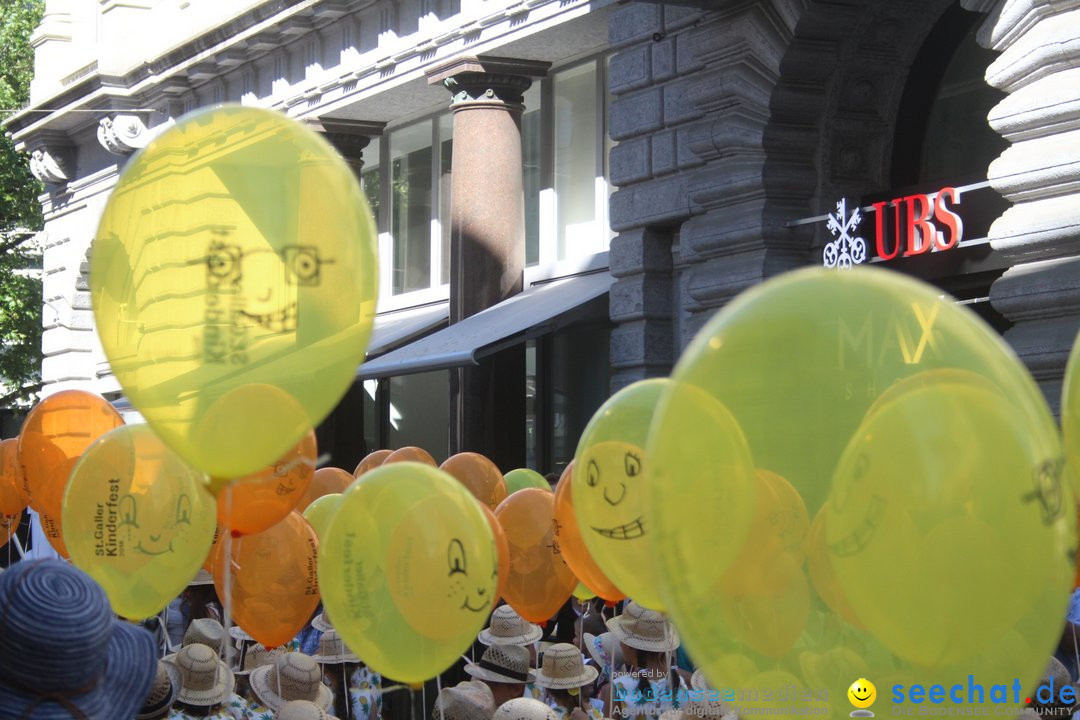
(680, 147)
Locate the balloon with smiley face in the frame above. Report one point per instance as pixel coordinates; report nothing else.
(923, 449)
(237, 251)
(138, 519)
(408, 570)
(609, 489)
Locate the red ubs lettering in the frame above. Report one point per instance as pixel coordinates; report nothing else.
(915, 222)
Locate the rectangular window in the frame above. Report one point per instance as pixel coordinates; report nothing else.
(410, 206)
(420, 412)
(446, 154)
(531, 154)
(577, 170)
(370, 176)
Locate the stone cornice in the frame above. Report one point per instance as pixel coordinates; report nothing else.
(156, 83)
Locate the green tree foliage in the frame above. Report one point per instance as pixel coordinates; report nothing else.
(20, 215)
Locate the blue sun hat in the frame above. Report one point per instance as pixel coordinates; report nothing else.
(63, 654)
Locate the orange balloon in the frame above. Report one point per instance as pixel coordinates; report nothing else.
(572, 545)
(410, 453)
(789, 519)
(822, 574)
(481, 476)
(54, 435)
(208, 564)
(13, 497)
(775, 523)
(371, 461)
(51, 529)
(539, 581)
(502, 547)
(274, 584)
(770, 621)
(252, 504)
(325, 481)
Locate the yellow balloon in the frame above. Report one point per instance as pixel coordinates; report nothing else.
(233, 284)
(1070, 418)
(582, 592)
(609, 486)
(521, 478)
(137, 519)
(910, 428)
(935, 503)
(321, 512)
(408, 570)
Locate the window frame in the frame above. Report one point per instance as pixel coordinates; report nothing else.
(548, 264)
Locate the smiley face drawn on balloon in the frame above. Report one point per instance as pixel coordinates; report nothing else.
(156, 539)
(857, 507)
(264, 280)
(611, 495)
(440, 574)
(459, 580)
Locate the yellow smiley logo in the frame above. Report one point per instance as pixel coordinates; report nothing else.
(862, 693)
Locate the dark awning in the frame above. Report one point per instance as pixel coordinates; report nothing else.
(528, 314)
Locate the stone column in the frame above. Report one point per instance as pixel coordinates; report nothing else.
(487, 245)
(349, 138)
(1040, 174)
(340, 432)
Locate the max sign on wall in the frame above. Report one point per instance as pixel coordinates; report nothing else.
(904, 226)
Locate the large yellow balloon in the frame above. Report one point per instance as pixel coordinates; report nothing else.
(926, 455)
(1070, 418)
(609, 487)
(408, 570)
(233, 285)
(137, 519)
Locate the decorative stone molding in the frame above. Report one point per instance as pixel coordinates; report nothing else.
(122, 134)
(1039, 173)
(487, 79)
(349, 137)
(51, 164)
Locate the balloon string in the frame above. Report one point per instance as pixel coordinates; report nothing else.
(347, 690)
(227, 600)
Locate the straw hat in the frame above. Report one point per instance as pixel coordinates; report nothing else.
(302, 710)
(644, 629)
(258, 656)
(205, 631)
(564, 668)
(293, 676)
(503, 664)
(203, 577)
(238, 633)
(321, 623)
(698, 681)
(468, 700)
(59, 636)
(604, 649)
(509, 628)
(206, 679)
(167, 681)
(524, 709)
(333, 651)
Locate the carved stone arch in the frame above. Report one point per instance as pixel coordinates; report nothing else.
(825, 108)
(836, 107)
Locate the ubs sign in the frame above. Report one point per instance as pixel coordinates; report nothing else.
(908, 225)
